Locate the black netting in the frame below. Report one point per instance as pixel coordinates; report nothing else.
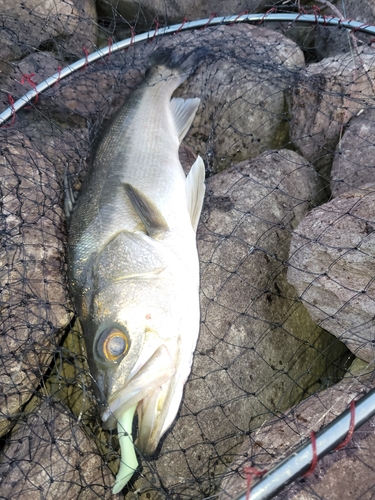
(286, 247)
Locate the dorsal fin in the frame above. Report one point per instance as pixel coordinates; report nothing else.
(147, 211)
(195, 189)
(183, 111)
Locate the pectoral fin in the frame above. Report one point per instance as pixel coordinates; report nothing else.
(147, 211)
(183, 111)
(70, 198)
(195, 189)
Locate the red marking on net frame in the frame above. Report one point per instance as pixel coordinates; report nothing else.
(351, 427)
(266, 14)
(157, 26)
(110, 45)
(244, 13)
(86, 52)
(315, 456)
(59, 69)
(212, 16)
(186, 20)
(250, 473)
(29, 79)
(341, 445)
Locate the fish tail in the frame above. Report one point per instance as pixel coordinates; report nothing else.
(167, 62)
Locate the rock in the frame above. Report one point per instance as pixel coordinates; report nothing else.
(258, 348)
(242, 89)
(340, 475)
(34, 291)
(49, 456)
(363, 11)
(324, 97)
(332, 266)
(175, 12)
(22, 76)
(354, 164)
(30, 25)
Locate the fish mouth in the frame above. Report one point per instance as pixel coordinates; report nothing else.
(147, 387)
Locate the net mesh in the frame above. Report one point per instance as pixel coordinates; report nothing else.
(286, 247)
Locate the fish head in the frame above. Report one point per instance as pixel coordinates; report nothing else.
(140, 343)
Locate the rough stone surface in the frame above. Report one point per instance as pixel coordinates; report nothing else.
(354, 162)
(242, 82)
(256, 341)
(34, 294)
(176, 11)
(243, 111)
(343, 474)
(324, 97)
(49, 456)
(67, 24)
(332, 265)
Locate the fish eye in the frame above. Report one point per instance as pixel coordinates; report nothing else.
(113, 343)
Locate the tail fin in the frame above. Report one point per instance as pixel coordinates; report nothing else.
(167, 62)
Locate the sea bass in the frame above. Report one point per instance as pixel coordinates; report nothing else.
(133, 262)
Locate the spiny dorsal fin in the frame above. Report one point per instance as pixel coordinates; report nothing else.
(183, 111)
(147, 211)
(195, 189)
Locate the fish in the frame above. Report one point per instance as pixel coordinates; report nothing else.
(133, 262)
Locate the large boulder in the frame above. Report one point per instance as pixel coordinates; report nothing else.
(243, 91)
(34, 292)
(354, 162)
(50, 456)
(66, 25)
(176, 11)
(258, 348)
(332, 266)
(324, 98)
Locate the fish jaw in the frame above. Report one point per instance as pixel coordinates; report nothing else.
(156, 413)
(152, 374)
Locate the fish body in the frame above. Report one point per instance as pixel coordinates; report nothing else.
(133, 262)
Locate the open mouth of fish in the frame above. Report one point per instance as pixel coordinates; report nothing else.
(147, 387)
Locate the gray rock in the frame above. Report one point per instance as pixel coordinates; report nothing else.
(324, 97)
(354, 162)
(340, 475)
(176, 11)
(243, 89)
(34, 293)
(332, 266)
(26, 26)
(258, 348)
(49, 456)
(363, 11)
